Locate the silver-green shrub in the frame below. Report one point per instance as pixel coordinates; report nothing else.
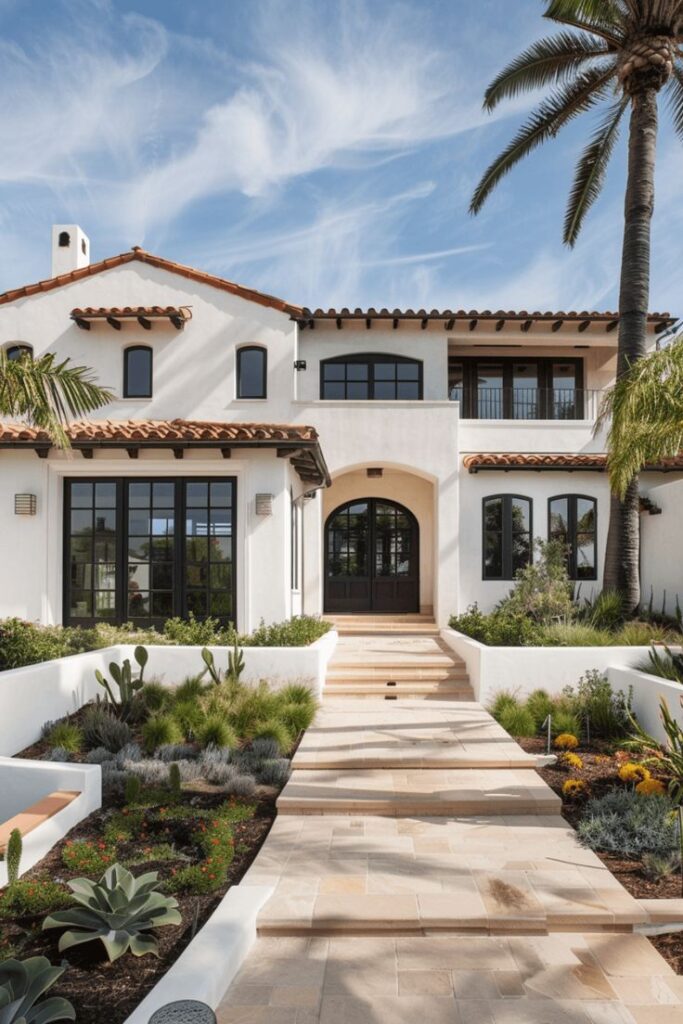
(626, 823)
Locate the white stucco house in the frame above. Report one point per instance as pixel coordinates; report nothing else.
(262, 459)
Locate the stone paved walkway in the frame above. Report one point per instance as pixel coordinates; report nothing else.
(409, 887)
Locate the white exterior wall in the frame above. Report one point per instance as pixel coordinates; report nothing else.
(661, 552)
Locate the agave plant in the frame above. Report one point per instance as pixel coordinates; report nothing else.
(22, 983)
(117, 910)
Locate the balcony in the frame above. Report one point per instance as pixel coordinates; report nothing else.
(513, 403)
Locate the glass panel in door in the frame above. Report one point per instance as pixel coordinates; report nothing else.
(564, 394)
(525, 391)
(490, 391)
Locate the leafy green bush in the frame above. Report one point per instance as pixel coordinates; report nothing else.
(606, 612)
(542, 591)
(539, 704)
(300, 631)
(86, 857)
(574, 634)
(31, 897)
(608, 713)
(66, 735)
(501, 701)
(564, 721)
(215, 731)
(192, 632)
(501, 628)
(22, 983)
(518, 721)
(117, 911)
(275, 730)
(630, 825)
(159, 730)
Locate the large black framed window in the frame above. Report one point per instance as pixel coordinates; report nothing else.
(144, 550)
(371, 377)
(507, 540)
(514, 388)
(137, 372)
(252, 372)
(573, 521)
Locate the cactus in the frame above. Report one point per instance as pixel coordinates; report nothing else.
(174, 779)
(22, 983)
(132, 789)
(235, 664)
(210, 662)
(15, 847)
(127, 686)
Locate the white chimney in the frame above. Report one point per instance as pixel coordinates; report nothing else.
(70, 248)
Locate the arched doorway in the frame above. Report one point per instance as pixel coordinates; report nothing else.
(372, 558)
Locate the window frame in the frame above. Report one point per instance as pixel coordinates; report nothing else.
(572, 499)
(372, 359)
(264, 374)
(544, 364)
(508, 572)
(21, 346)
(126, 373)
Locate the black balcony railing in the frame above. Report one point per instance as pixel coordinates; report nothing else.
(527, 403)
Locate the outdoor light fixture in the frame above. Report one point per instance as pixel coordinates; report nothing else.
(374, 471)
(25, 504)
(299, 364)
(264, 504)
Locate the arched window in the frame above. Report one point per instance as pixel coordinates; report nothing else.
(252, 372)
(507, 535)
(64, 239)
(375, 377)
(17, 351)
(137, 372)
(573, 521)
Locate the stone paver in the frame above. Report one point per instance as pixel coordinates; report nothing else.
(429, 874)
(409, 733)
(590, 978)
(422, 872)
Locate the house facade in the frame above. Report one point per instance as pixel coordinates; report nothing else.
(261, 459)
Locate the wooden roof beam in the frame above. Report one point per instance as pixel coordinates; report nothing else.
(584, 325)
(611, 326)
(500, 324)
(113, 322)
(83, 324)
(144, 322)
(557, 325)
(177, 321)
(525, 325)
(473, 324)
(450, 324)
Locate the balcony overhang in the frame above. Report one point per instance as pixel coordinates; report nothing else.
(145, 316)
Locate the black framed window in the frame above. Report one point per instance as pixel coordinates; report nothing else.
(573, 521)
(252, 372)
(15, 352)
(371, 377)
(507, 522)
(137, 372)
(144, 550)
(517, 389)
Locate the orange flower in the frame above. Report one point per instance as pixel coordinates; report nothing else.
(651, 787)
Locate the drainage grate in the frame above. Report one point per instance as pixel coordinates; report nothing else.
(390, 696)
(391, 683)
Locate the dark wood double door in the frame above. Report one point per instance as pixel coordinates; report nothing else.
(372, 558)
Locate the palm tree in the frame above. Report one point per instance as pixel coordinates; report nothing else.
(618, 55)
(46, 393)
(645, 408)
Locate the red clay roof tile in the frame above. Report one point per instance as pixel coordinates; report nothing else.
(122, 431)
(545, 460)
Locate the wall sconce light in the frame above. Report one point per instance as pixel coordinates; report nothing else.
(264, 504)
(299, 364)
(25, 504)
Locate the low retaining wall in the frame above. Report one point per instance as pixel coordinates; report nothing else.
(648, 692)
(33, 695)
(206, 969)
(30, 781)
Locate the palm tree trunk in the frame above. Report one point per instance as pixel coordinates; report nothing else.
(623, 539)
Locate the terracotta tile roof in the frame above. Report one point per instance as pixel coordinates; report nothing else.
(151, 311)
(126, 431)
(155, 261)
(545, 460)
(585, 316)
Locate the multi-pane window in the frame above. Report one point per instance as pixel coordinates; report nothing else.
(137, 372)
(347, 541)
(507, 536)
(393, 540)
(517, 389)
(252, 372)
(572, 520)
(371, 377)
(146, 550)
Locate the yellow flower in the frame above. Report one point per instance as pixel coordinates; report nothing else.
(565, 741)
(572, 760)
(573, 787)
(631, 772)
(601, 759)
(651, 787)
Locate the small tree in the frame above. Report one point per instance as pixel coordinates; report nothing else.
(543, 590)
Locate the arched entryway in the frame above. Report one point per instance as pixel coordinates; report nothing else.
(372, 558)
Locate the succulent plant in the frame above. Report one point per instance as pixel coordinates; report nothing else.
(22, 983)
(126, 685)
(15, 847)
(117, 911)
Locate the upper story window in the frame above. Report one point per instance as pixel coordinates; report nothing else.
(17, 351)
(573, 521)
(499, 388)
(64, 240)
(137, 372)
(507, 535)
(374, 377)
(252, 372)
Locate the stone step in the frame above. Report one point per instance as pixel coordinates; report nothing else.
(380, 617)
(403, 631)
(382, 674)
(436, 792)
(404, 689)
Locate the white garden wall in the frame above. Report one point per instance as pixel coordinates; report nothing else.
(35, 694)
(661, 550)
(648, 692)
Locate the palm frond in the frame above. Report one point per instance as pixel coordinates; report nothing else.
(599, 17)
(645, 408)
(549, 60)
(675, 97)
(591, 169)
(47, 394)
(560, 107)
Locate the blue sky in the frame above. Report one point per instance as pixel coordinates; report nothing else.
(322, 150)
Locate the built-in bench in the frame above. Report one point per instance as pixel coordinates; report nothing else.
(36, 814)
